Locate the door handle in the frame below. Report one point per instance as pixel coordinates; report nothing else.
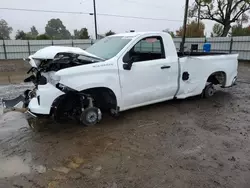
(165, 67)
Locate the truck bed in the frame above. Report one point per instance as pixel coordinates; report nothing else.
(185, 54)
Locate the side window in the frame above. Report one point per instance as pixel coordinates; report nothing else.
(150, 48)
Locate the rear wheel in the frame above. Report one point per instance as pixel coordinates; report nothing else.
(209, 91)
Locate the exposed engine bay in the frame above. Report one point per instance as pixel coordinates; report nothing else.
(65, 60)
(62, 60)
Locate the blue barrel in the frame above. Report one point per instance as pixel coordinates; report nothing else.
(207, 47)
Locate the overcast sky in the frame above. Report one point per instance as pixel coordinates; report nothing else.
(166, 9)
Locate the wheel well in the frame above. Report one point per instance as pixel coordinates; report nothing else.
(104, 98)
(67, 101)
(217, 78)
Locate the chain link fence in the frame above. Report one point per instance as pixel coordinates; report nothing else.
(18, 49)
(235, 45)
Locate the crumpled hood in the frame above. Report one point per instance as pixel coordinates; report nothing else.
(51, 51)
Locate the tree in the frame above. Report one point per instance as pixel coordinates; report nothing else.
(217, 30)
(5, 30)
(109, 33)
(224, 12)
(43, 37)
(81, 34)
(169, 32)
(193, 30)
(238, 30)
(33, 32)
(20, 35)
(56, 30)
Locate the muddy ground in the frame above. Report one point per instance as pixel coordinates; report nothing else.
(185, 143)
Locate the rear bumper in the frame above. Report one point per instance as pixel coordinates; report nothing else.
(233, 83)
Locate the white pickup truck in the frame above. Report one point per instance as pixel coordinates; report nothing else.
(121, 72)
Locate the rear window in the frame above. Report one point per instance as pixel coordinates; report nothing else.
(148, 45)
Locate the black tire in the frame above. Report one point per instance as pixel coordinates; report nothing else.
(90, 116)
(209, 91)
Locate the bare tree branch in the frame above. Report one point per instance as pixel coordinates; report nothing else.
(211, 18)
(236, 4)
(225, 13)
(220, 9)
(228, 9)
(241, 11)
(225, 5)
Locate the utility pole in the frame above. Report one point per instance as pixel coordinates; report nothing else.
(96, 37)
(184, 27)
(199, 13)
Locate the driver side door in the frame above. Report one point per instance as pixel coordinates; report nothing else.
(148, 80)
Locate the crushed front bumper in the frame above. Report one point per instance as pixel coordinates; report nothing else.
(38, 101)
(37, 123)
(16, 102)
(19, 103)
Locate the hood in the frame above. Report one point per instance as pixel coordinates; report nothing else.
(51, 51)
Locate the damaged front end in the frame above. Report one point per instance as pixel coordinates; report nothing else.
(44, 65)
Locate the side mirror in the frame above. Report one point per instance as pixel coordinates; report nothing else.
(127, 66)
(128, 61)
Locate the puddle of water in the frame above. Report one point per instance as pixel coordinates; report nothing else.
(13, 166)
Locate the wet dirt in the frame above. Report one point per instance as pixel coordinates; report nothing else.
(183, 143)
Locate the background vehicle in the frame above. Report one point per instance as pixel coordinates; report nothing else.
(121, 72)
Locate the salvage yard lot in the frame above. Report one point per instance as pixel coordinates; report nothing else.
(184, 143)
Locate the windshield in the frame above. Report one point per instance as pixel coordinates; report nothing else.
(108, 47)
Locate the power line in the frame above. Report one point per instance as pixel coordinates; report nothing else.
(144, 4)
(49, 11)
(138, 17)
(87, 13)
